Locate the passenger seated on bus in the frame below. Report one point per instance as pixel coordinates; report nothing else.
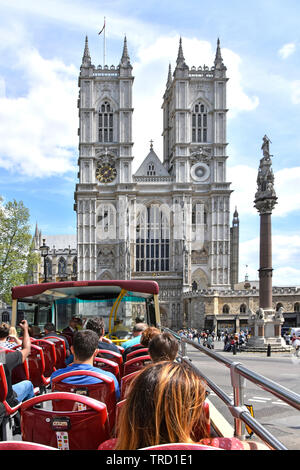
(12, 339)
(136, 333)
(84, 350)
(163, 347)
(146, 337)
(164, 406)
(34, 331)
(74, 325)
(97, 325)
(22, 390)
(49, 330)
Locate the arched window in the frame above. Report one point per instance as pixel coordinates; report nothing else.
(62, 267)
(243, 308)
(199, 123)
(106, 122)
(297, 307)
(151, 170)
(152, 240)
(225, 308)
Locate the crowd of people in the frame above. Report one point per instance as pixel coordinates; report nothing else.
(165, 401)
(207, 338)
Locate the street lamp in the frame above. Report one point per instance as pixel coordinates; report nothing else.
(44, 249)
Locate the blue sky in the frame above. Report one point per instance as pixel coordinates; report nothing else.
(41, 47)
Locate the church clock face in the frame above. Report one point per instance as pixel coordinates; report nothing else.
(200, 172)
(106, 173)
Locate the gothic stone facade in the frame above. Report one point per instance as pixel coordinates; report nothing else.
(170, 221)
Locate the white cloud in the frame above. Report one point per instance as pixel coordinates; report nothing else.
(287, 50)
(285, 255)
(286, 186)
(38, 130)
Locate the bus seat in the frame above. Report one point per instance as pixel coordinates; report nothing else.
(21, 372)
(125, 382)
(65, 430)
(118, 408)
(103, 391)
(180, 446)
(68, 337)
(106, 364)
(36, 366)
(139, 352)
(10, 411)
(60, 349)
(22, 445)
(120, 349)
(113, 356)
(49, 355)
(135, 364)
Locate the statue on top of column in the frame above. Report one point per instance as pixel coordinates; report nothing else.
(265, 197)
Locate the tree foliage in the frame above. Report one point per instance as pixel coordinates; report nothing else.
(16, 254)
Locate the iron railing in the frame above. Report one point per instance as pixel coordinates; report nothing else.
(238, 375)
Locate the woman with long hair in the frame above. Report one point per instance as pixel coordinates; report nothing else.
(165, 405)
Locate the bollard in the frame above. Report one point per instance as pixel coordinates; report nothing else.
(269, 350)
(234, 349)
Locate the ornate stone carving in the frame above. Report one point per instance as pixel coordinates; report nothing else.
(265, 197)
(106, 256)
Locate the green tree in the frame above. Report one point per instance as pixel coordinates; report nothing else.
(16, 254)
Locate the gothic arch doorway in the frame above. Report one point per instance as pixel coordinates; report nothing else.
(199, 279)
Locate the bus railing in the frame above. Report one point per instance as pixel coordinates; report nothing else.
(238, 375)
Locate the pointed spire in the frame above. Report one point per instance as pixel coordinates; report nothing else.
(36, 234)
(218, 59)
(180, 57)
(86, 59)
(125, 60)
(169, 81)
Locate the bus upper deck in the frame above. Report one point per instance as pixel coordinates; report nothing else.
(118, 302)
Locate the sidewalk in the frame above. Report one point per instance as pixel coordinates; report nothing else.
(219, 348)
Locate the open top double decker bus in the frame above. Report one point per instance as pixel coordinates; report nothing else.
(118, 302)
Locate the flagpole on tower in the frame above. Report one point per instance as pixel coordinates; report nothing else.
(104, 45)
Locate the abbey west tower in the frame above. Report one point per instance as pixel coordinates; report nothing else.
(170, 221)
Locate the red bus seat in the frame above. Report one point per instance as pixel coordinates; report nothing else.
(181, 446)
(120, 349)
(106, 364)
(60, 349)
(49, 355)
(3, 392)
(103, 391)
(36, 366)
(113, 356)
(135, 364)
(21, 445)
(10, 411)
(138, 352)
(21, 372)
(65, 430)
(125, 382)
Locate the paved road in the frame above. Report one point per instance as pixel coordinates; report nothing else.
(279, 418)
